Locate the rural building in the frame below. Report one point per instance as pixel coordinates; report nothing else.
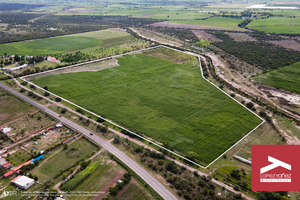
(59, 125)
(2, 152)
(52, 59)
(2, 161)
(23, 182)
(41, 156)
(6, 130)
(6, 165)
(8, 174)
(52, 29)
(16, 68)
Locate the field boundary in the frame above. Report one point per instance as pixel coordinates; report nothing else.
(23, 78)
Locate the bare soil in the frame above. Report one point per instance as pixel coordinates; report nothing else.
(289, 139)
(206, 36)
(287, 44)
(240, 37)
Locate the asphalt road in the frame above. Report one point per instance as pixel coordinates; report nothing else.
(158, 187)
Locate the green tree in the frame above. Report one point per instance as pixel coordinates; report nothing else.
(192, 156)
(65, 146)
(113, 191)
(249, 105)
(116, 139)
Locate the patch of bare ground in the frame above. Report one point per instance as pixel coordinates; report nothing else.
(206, 36)
(186, 26)
(290, 140)
(287, 44)
(110, 183)
(240, 37)
(96, 66)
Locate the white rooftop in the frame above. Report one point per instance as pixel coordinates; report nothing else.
(6, 130)
(23, 181)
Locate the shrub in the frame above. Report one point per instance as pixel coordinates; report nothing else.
(249, 105)
(63, 111)
(103, 129)
(22, 90)
(57, 99)
(236, 188)
(46, 94)
(100, 120)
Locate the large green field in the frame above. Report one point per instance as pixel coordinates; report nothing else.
(214, 22)
(64, 44)
(162, 99)
(276, 25)
(286, 78)
(141, 11)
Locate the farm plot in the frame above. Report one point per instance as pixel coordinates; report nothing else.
(56, 45)
(82, 68)
(62, 159)
(28, 125)
(133, 191)
(277, 25)
(214, 22)
(97, 181)
(165, 100)
(286, 78)
(80, 177)
(12, 108)
(64, 44)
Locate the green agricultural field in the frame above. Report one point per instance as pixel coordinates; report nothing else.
(62, 159)
(214, 22)
(12, 108)
(142, 11)
(286, 78)
(134, 191)
(164, 100)
(276, 25)
(55, 45)
(64, 44)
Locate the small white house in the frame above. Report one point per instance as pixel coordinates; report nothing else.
(59, 125)
(6, 130)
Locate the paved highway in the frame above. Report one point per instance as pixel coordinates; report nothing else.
(158, 187)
